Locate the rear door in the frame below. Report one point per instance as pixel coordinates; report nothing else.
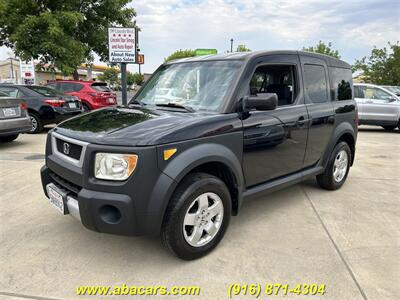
(319, 107)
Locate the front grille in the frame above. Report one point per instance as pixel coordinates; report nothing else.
(65, 184)
(69, 149)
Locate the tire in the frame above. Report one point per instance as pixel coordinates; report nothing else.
(185, 202)
(390, 128)
(85, 107)
(328, 180)
(37, 124)
(8, 138)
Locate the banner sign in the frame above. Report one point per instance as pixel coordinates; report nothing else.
(122, 45)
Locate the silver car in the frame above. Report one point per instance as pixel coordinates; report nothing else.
(377, 106)
(14, 118)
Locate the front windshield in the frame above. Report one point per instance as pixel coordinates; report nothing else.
(198, 85)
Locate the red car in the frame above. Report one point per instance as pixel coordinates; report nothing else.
(93, 94)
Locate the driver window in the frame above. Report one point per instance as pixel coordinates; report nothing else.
(278, 79)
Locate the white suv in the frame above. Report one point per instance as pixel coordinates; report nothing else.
(377, 106)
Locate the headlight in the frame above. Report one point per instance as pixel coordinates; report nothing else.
(114, 166)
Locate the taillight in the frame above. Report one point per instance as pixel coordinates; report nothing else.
(54, 103)
(23, 106)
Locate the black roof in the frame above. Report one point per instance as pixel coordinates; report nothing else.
(330, 61)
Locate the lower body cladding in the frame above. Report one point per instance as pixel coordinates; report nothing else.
(104, 212)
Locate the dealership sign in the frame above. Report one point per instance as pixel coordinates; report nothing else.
(122, 45)
(27, 69)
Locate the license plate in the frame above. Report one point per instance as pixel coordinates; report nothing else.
(72, 105)
(56, 198)
(9, 112)
(110, 100)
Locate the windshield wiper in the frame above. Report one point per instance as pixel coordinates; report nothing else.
(176, 105)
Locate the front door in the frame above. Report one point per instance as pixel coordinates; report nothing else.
(275, 141)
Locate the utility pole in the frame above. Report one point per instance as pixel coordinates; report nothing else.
(231, 45)
(124, 84)
(12, 69)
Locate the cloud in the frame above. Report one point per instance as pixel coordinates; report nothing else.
(353, 27)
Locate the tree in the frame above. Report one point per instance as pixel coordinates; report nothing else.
(134, 78)
(382, 66)
(323, 48)
(110, 76)
(181, 54)
(61, 34)
(242, 48)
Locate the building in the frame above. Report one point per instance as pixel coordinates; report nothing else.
(10, 72)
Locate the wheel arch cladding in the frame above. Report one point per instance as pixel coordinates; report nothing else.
(214, 159)
(343, 132)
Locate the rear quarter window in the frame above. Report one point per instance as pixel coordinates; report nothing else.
(342, 83)
(315, 83)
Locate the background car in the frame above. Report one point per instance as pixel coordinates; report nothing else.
(93, 94)
(377, 106)
(45, 105)
(14, 118)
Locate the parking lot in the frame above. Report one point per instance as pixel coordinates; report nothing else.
(348, 239)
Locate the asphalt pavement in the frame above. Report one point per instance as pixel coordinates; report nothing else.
(348, 239)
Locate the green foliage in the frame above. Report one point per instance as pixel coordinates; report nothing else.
(323, 48)
(382, 66)
(181, 54)
(61, 34)
(134, 78)
(242, 48)
(110, 76)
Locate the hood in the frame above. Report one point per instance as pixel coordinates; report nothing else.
(145, 127)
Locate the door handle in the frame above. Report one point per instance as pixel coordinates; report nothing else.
(301, 121)
(369, 101)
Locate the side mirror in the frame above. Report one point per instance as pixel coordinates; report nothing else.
(263, 101)
(392, 99)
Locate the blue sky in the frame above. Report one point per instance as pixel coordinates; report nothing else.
(353, 27)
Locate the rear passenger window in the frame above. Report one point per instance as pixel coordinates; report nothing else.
(341, 83)
(315, 83)
(70, 87)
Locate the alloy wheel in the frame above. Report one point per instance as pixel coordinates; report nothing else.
(340, 165)
(203, 219)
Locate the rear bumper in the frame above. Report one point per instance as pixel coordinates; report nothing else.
(15, 126)
(96, 105)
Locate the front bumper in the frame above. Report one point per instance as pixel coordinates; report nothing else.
(134, 207)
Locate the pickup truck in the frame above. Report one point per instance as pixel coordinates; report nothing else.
(239, 126)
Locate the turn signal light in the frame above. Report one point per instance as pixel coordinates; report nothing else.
(168, 153)
(54, 103)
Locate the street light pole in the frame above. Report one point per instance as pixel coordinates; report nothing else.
(231, 45)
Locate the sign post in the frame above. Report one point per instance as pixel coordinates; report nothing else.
(122, 45)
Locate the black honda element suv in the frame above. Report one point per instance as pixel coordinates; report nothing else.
(203, 135)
